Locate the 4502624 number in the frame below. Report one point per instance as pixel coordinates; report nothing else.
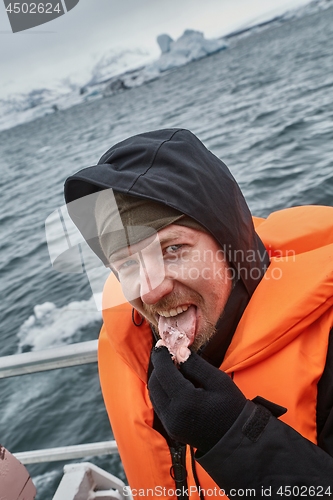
(33, 8)
(303, 491)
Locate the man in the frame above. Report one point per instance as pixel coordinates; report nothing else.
(245, 413)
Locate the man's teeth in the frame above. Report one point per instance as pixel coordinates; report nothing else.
(173, 312)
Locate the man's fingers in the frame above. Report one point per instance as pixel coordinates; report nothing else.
(168, 374)
(201, 372)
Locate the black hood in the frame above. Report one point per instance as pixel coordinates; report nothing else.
(173, 167)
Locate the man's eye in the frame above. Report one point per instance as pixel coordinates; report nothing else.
(172, 248)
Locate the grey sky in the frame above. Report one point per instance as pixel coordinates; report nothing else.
(69, 45)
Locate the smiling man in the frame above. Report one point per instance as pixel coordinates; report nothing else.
(170, 221)
(189, 296)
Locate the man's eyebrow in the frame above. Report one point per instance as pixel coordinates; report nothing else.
(125, 252)
(168, 238)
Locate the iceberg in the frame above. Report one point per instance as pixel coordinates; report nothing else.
(164, 41)
(192, 45)
(123, 69)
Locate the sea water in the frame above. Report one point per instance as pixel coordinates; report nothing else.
(264, 105)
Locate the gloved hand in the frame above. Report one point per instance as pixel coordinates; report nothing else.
(199, 409)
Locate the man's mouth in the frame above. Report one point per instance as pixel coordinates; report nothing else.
(182, 318)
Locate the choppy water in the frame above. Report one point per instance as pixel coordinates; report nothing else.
(265, 106)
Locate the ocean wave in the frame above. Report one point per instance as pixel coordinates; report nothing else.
(50, 326)
(46, 483)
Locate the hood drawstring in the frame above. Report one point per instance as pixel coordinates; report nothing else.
(133, 318)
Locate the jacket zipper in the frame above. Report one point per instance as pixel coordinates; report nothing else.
(178, 470)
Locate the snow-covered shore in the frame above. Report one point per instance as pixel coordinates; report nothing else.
(123, 70)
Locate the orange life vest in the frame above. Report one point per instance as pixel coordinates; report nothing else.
(278, 350)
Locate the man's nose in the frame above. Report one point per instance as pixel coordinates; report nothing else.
(154, 284)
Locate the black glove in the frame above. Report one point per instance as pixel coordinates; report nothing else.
(199, 409)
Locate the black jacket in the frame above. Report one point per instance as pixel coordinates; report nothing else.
(277, 461)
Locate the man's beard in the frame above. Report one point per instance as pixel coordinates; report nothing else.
(203, 337)
(207, 330)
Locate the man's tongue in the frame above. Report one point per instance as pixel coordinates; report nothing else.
(183, 323)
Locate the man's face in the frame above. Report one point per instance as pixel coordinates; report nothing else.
(178, 268)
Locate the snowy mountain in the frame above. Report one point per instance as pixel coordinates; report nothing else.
(113, 72)
(123, 69)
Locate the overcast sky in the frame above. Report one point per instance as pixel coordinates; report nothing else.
(70, 45)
